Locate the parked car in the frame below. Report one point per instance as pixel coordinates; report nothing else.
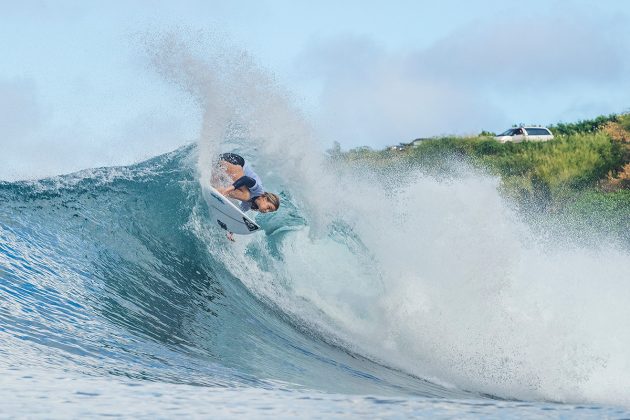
(520, 134)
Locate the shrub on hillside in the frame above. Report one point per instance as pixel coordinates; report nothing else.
(583, 126)
(573, 161)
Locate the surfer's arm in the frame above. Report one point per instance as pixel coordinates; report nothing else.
(241, 194)
(240, 188)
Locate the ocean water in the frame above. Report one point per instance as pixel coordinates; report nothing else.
(374, 291)
(119, 296)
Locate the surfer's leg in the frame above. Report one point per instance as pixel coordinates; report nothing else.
(233, 171)
(232, 164)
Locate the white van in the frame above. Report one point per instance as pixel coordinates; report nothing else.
(520, 134)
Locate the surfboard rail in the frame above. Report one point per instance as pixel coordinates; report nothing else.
(226, 214)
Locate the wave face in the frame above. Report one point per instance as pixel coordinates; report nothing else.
(369, 280)
(120, 272)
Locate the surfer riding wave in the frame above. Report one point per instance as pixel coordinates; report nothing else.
(247, 186)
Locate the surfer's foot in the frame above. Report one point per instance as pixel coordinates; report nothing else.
(230, 236)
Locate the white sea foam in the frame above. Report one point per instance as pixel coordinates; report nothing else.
(439, 278)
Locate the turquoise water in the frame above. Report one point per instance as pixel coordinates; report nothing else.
(120, 297)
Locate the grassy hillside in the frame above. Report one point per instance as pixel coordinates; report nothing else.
(583, 173)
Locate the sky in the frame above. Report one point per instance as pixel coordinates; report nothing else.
(77, 91)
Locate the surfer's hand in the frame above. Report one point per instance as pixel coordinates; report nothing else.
(230, 236)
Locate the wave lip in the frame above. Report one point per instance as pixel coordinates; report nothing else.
(119, 272)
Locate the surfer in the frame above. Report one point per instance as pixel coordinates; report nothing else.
(246, 187)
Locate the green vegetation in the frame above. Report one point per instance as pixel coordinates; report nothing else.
(624, 121)
(575, 161)
(601, 210)
(584, 126)
(584, 173)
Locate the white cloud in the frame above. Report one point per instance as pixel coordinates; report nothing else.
(40, 139)
(532, 50)
(369, 96)
(486, 75)
(20, 110)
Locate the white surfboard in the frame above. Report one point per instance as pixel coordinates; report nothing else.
(226, 214)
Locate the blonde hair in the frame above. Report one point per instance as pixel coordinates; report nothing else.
(273, 199)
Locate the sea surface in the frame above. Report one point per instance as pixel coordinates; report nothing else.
(119, 296)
